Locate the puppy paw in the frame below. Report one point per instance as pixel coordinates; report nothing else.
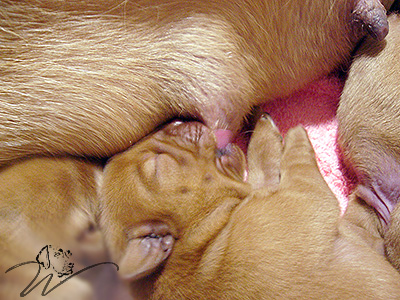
(298, 160)
(264, 154)
(298, 148)
(146, 251)
(370, 17)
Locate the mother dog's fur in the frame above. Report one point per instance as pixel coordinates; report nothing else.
(92, 77)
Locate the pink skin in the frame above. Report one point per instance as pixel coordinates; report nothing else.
(223, 137)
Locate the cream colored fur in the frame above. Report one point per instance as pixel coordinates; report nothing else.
(92, 77)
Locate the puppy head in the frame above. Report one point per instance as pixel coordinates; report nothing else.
(160, 188)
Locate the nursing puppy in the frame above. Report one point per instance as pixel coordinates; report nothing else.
(92, 77)
(48, 211)
(177, 211)
(369, 129)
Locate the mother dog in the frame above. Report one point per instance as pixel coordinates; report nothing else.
(92, 77)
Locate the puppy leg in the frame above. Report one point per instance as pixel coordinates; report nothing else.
(303, 186)
(264, 152)
(361, 222)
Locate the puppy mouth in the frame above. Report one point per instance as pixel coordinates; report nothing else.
(231, 161)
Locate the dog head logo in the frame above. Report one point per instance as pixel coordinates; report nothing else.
(56, 258)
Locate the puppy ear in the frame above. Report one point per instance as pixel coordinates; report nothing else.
(43, 257)
(144, 254)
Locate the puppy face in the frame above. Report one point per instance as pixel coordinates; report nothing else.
(146, 191)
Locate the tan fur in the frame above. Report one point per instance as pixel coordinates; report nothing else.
(52, 202)
(369, 126)
(369, 107)
(392, 239)
(92, 77)
(170, 210)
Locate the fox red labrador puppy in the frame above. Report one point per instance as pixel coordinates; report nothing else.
(183, 224)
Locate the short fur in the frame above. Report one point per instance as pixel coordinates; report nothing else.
(47, 205)
(172, 211)
(369, 129)
(92, 77)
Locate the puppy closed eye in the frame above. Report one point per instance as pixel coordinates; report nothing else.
(148, 166)
(156, 167)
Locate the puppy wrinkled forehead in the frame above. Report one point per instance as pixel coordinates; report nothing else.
(194, 133)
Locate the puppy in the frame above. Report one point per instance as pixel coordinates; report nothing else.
(369, 129)
(92, 77)
(48, 209)
(175, 210)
